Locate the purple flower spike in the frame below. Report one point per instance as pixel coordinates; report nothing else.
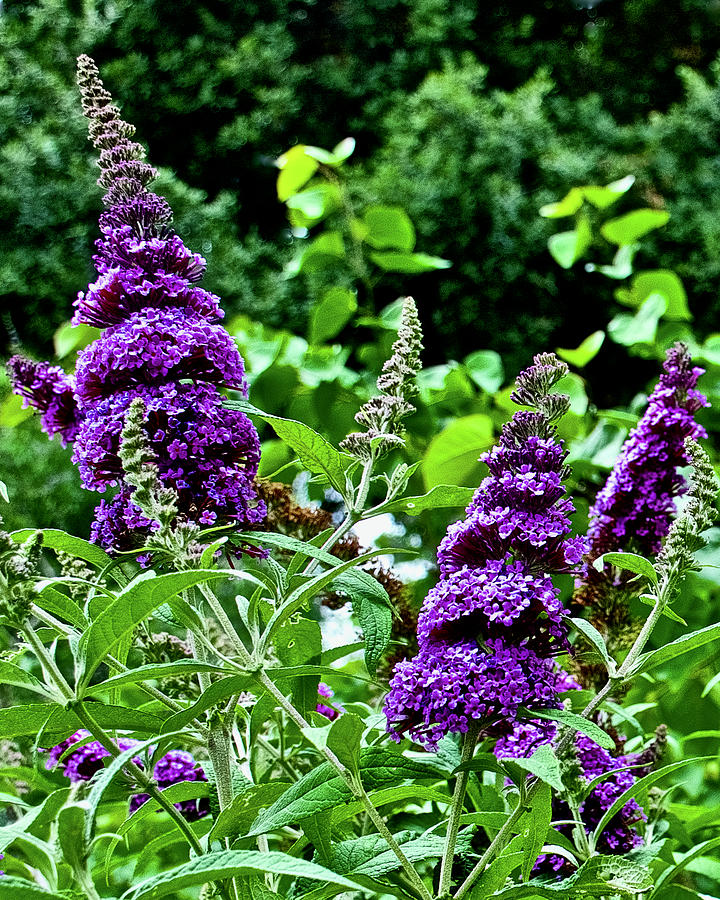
(51, 392)
(488, 630)
(161, 344)
(155, 347)
(636, 505)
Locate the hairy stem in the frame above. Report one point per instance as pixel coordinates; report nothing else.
(468, 748)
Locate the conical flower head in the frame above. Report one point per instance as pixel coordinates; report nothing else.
(487, 632)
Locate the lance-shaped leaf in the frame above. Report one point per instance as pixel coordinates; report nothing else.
(227, 864)
(134, 604)
(676, 648)
(577, 723)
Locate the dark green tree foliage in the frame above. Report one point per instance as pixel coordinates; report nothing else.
(471, 115)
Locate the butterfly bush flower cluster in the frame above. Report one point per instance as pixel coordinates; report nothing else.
(84, 762)
(634, 509)
(162, 343)
(621, 835)
(488, 631)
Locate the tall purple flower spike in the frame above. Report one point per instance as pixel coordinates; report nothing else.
(489, 629)
(636, 506)
(161, 343)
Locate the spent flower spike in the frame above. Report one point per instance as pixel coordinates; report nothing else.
(488, 631)
(382, 415)
(161, 344)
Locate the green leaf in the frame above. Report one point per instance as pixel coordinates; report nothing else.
(55, 721)
(441, 496)
(452, 456)
(602, 197)
(42, 814)
(71, 834)
(633, 225)
(486, 370)
(133, 604)
(323, 788)
(586, 351)
(338, 155)
(482, 762)
(388, 228)
(312, 586)
(596, 639)
(658, 281)
(544, 764)
(374, 616)
(536, 821)
(316, 201)
(331, 314)
(62, 606)
(676, 648)
(154, 671)
(216, 693)
(175, 793)
(226, 864)
(236, 819)
(54, 539)
(622, 264)
(408, 263)
(568, 206)
(71, 338)
(628, 562)
(636, 789)
(315, 453)
(494, 877)
(13, 675)
(577, 723)
(684, 861)
(600, 876)
(104, 779)
(344, 739)
(323, 252)
(296, 169)
(642, 327)
(567, 247)
(19, 889)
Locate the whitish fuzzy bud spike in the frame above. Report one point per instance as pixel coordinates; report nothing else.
(382, 414)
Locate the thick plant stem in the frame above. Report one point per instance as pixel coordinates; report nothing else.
(356, 787)
(225, 623)
(461, 783)
(142, 778)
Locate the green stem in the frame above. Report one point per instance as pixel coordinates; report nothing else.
(52, 672)
(355, 785)
(468, 748)
(498, 842)
(141, 778)
(224, 620)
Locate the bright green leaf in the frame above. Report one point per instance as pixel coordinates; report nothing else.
(633, 225)
(296, 169)
(441, 496)
(452, 456)
(628, 562)
(676, 648)
(227, 864)
(331, 314)
(544, 764)
(568, 206)
(577, 723)
(586, 351)
(71, 338)
(388, 228)
(486, 370)
(642, 327)
(408, 263)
